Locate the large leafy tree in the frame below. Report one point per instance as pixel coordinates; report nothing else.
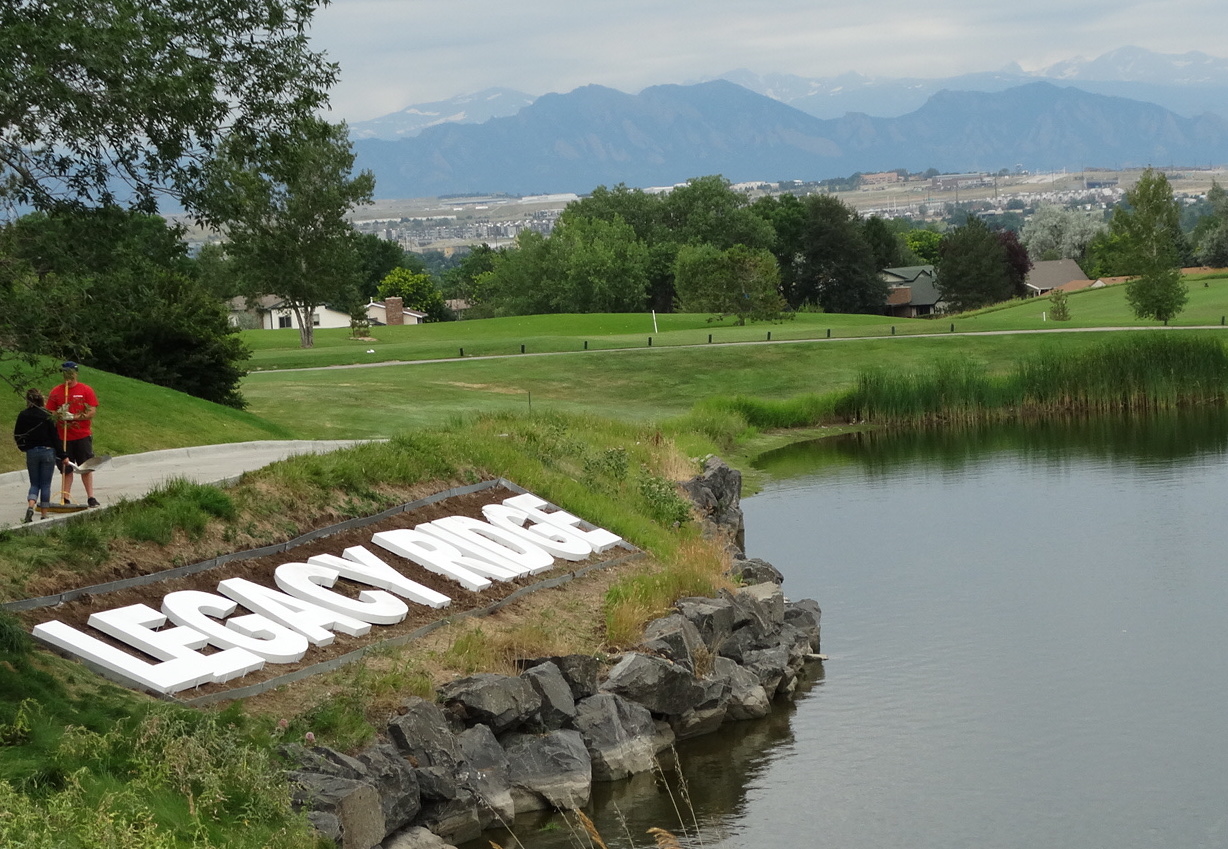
(741, 281)
(110, 100)
(1150, 247)
(974, 270)
(787, 215)
(1211, 233)
(1057, 232)
(137, 304)
(285, 203)
(417, 291)
(838, 266)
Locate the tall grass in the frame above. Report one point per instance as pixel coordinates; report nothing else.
(1128, 374)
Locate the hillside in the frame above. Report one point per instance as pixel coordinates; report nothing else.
(667, 134)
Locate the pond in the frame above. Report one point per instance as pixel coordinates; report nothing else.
(1027, 638)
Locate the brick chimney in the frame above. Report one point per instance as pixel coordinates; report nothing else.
(394, 312)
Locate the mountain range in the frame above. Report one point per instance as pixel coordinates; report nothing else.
(666, 134)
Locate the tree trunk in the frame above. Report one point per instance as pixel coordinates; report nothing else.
(306, 330)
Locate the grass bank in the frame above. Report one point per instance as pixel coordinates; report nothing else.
(88, 764)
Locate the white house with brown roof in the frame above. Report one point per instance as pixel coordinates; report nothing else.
(269, 312)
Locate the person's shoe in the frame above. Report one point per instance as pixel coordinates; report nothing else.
(93, 502)
(29, 516)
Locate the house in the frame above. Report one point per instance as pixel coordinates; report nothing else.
(913, 291)
(269, 312)
(1051, 274)
(390, 312)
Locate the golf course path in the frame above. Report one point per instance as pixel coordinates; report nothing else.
(132, 476)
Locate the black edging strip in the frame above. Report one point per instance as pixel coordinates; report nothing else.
(401, 640)
(276, 548)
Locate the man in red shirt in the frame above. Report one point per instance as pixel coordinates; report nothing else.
(73, 405)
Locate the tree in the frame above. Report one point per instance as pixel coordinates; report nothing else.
(886, 245)
(925, 245)
(103, 97)
(1150, 245)
(838, 270)
(376, 259)
(1211, 234)
(740, 281)
(138, 305)
(974, 271)
(1056, 232)
(285, 204)
(1060, 309)
(1018, 263)
(787, 215)
(417, 292)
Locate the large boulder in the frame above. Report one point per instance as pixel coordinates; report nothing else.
(620, 736)
(712, 617)
(502, 702)
(755, 571)
(717, 496)
(771, 600)
(488, 774)
(422, 734)
(579, 670)
(456, 820)
(771, 667)
(708, 713)
(806, 616)
(747, 698)
(552, 770)
(558, 705)
(657, 684)
(675, 638)
(417, 837)
(355, 805)
(396, 782)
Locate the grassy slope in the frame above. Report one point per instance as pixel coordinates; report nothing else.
(134, 416)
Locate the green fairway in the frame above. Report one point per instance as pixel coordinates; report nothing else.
(1106, 307)
(643, 384)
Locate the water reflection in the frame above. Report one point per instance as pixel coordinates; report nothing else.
(1144, 438)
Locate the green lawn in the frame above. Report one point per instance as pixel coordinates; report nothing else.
(642, 384)
(279, 349)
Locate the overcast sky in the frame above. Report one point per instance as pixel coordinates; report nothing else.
(394, 53)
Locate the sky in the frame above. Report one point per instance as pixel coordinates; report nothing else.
(395, 53)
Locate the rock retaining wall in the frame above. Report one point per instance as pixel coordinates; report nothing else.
(492, 746)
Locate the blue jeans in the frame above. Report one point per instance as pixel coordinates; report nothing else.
(40, 464)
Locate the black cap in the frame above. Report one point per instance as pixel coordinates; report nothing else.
(69, 365)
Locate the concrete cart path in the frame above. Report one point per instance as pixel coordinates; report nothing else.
(133, 476)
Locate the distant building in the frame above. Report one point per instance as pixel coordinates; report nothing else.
(1048, 275)
(913, 291)
(884, 178)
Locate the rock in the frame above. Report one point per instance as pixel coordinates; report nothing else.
(422, 734)
(558, 705)
(712, 617)
(805, 615)
(417, 837)
(676, 638)
(748, 612)
(770, 666)
(579, 670)
(662, 687)
(395, 781)
(325, 761)
(755, 571)
(747, 698)
(488, 774)
(708, 714)
(552, 770)
(620, 736)
(501, 701)
(326, 825)
(771, 600)
(717, 496)
(456, 820)
(354, 804)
